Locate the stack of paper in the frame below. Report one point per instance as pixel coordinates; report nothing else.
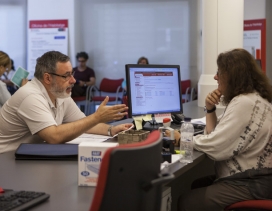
(201, 121)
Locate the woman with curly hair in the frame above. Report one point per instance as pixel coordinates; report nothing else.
(239, 141)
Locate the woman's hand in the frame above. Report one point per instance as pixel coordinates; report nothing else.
(213, 99)
(24, 81)
(176, 135)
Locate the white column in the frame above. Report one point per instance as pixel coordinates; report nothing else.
(222, 30)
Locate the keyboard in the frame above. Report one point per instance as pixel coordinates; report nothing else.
(11, 200)
(198, 129)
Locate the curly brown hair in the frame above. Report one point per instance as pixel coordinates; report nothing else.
(243, 75)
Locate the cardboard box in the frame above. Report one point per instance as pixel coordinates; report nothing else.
(132, 136)
(90, 156)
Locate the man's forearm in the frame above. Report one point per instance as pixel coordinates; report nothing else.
(67, 132)
(101, 129)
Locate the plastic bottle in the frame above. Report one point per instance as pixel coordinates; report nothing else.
(186, 141)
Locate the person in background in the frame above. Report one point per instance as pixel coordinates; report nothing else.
(5, 66)
(6, 77)
(141, 60)
(239, 141)
(84, 75)
(43, 109)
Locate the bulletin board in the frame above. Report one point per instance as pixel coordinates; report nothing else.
(44, 36)
(255, 39)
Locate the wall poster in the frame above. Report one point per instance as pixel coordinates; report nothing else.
(255, 39)
(44, 36)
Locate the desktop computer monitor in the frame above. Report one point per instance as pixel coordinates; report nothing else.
(153, 89)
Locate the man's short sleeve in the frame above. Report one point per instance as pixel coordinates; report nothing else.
(35, 111)
(72, 112)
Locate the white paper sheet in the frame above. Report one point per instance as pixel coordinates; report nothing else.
(175, 158)
(89, 137)
(200, 121)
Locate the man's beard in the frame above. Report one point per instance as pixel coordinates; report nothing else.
(59, 92)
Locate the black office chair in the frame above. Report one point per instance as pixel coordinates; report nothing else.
(130, 178)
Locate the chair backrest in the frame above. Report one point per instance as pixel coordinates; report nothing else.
(185, 85)
(111, 85)
(129, 177)
(251, 205)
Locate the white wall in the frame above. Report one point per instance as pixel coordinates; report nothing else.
(254, 9)
(118, 32)
(13, 30)
(160, 36)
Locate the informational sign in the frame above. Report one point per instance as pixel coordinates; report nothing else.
(44, 36)
(255, 39)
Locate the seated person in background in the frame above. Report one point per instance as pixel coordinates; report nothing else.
(6, 79)
(239, 141)
(84, 75)
(5, 66)
(43, 110)
(141, 60)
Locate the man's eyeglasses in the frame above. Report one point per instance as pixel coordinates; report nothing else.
(81, 61)
(67, 76)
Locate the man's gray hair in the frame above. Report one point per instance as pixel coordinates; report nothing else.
(47, 63)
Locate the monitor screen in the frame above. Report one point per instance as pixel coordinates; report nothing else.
(153, 89)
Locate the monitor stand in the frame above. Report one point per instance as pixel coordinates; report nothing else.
(152, 126)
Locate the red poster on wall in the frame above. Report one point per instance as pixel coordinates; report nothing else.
(255, 39)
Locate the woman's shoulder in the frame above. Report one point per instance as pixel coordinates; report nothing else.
(248, 96)
(248, 99)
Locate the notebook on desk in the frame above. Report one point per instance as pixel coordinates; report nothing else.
(47, 152)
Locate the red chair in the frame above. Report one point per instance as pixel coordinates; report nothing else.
(108, 87)
(188, 93)
(130, 178)
(251, 205)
